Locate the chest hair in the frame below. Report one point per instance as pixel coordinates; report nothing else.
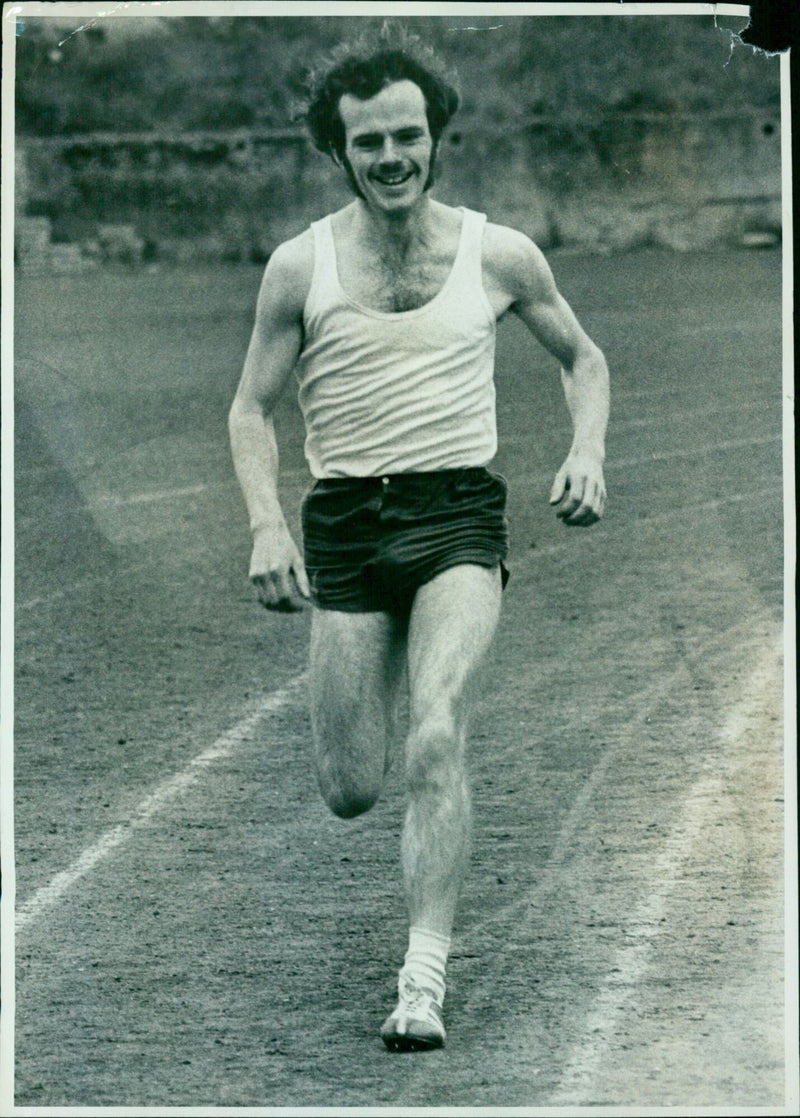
(398, 278)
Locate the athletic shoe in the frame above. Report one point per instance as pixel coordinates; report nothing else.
(416, 1023)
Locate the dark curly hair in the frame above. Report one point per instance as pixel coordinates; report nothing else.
(363, 68)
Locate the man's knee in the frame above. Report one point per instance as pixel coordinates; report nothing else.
(347, 798)
(435, 756)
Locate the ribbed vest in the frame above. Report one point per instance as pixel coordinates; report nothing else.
(386, 393)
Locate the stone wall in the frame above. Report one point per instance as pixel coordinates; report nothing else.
(689, 182)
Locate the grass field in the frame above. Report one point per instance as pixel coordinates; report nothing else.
(193, 927)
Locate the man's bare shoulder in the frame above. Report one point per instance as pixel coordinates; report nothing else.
(513, 261)
(286, 281)
(289, 270)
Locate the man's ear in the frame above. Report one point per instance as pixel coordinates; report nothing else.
(337, 159)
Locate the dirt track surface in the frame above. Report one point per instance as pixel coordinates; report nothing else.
(215, 937)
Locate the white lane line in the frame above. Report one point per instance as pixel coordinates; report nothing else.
(697, 451)
(156, 495)
(550, 879)
(622, 982)
(634, 423)
(74, 587)
(655, 519)
(704, 450)
(151, 805)
(632, 961)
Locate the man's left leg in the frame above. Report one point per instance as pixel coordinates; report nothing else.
(453, 620)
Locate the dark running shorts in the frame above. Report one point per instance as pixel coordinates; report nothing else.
(370, 543)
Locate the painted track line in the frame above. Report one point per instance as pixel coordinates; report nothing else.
(75, 587)
(702, 451)
(634, 959)
(639, 422)
(698, 451)
(151, 805)
(156, 495)
(550, 879)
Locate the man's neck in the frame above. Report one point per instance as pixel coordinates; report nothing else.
(396, 232)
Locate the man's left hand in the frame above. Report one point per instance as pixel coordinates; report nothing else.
(579, 491)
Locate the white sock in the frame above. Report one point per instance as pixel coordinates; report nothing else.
(426, 960)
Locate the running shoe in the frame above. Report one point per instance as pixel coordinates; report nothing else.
(416, 1024)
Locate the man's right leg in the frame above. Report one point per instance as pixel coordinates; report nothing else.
(357, 668)
(452, 623)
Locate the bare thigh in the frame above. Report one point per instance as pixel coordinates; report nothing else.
(453, 621)
(357, 670)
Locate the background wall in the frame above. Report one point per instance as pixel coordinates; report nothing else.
(167, 139)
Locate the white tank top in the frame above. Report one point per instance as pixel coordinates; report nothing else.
(397, 392)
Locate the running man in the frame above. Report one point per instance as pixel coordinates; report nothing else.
(386, 312)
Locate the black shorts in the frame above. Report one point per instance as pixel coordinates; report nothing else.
(370, 543)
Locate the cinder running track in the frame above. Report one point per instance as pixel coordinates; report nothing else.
(195, 930)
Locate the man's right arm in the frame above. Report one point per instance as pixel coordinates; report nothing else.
(276, 567)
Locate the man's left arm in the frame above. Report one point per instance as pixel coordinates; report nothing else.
(579, 492)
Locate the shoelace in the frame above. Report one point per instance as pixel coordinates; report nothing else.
(414, 1000)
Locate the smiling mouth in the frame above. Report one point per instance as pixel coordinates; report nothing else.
(393, 180)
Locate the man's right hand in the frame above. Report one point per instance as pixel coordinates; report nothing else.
(277, 570)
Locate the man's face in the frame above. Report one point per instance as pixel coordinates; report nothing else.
(388, 146)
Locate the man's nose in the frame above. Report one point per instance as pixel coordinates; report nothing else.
(389, 153)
